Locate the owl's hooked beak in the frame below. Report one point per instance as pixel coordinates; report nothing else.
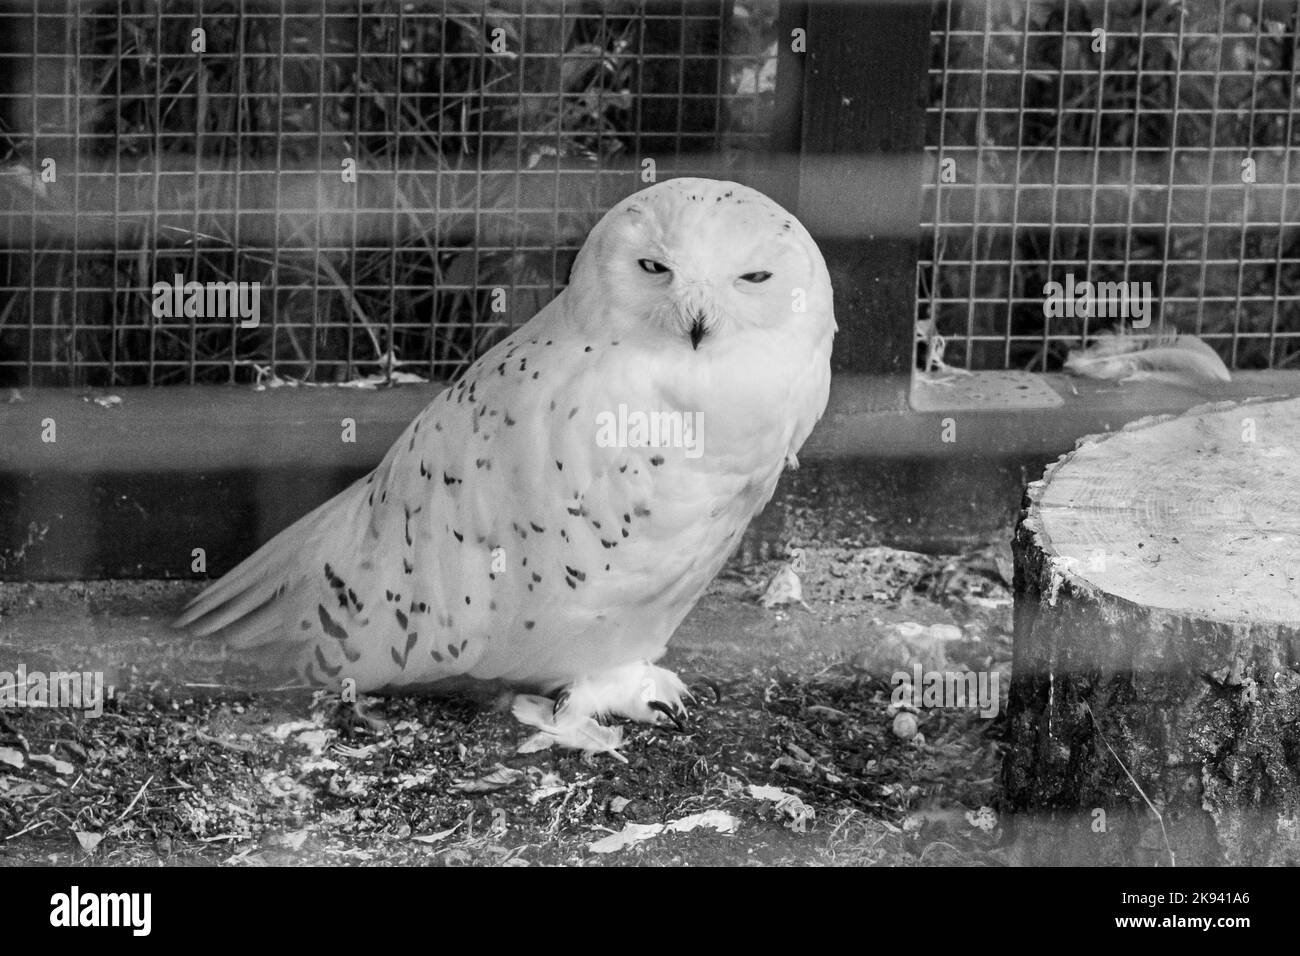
(693, 311)
(697, 330)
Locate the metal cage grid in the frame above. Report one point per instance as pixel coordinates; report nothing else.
(480, 169)
(486, 137)
(1124, 161)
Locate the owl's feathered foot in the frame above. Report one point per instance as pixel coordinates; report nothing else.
(638, 691)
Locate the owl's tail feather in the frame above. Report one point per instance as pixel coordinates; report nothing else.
(245, 608)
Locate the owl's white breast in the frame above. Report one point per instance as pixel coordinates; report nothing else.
(758, 397)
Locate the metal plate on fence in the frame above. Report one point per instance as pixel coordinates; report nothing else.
(959, 390)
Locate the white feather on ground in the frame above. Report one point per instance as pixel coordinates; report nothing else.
(574, 730)
(1177, 359)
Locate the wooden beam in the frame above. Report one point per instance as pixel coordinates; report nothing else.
(863, 126)
(131, 490)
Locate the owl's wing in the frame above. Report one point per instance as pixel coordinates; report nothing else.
(336, 591)
(244, 606)
(376, 584)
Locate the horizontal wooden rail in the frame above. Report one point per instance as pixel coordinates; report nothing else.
(132, 489)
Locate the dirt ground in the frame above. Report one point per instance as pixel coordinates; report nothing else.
(792, 753)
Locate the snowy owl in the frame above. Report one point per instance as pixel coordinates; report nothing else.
(550, 519)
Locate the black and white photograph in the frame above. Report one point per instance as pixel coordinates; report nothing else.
(650, 433)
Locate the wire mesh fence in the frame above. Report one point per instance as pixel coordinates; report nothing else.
(402, 181)
(1105, 143)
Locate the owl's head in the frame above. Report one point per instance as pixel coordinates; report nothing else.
(696, 260)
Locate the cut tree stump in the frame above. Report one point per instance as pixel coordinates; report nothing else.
(1154, 711)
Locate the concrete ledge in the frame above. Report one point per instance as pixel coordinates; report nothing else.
(210, 429)
(131, 489)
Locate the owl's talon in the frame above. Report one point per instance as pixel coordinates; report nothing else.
(712, 685)
(673, 714)
(353, 717)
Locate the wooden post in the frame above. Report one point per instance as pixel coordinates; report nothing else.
(861, 140)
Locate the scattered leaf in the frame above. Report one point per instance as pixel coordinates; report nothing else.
(784, 588)
(89, 841)
(53, 764)
(435, 837)
(498, 779)
(28, 788)
(786, 803)
(633, 833)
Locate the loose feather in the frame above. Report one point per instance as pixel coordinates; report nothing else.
(1177, 359)
(570, 729)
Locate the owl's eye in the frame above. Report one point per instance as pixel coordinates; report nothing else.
(756, 276)
(649, 265)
